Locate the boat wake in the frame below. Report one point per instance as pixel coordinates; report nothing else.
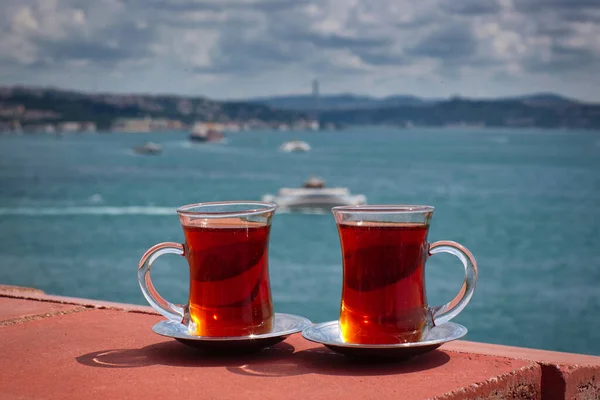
(50, 211)
(499, 140)
(220, 147)
(130, 210)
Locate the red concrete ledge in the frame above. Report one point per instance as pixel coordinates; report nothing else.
(68, 348)
(13, 311)
(114, 354)
(19, 292)
(564, 375)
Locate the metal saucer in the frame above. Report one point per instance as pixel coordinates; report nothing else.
(328, 334)
(283, 326)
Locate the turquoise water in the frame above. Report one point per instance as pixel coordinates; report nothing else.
(77, 213)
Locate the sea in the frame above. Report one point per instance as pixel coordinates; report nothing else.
(78, 211)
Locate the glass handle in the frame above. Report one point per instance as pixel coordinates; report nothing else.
(169, 310)
(445, 313)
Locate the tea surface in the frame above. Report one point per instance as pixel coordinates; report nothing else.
(383, 295)
(229, 280)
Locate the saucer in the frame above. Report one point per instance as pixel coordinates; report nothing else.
(283, 326)
(328, 334)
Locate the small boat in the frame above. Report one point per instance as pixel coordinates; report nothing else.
(149, 148)
(295, 146)
(314, 195)
(202, 132)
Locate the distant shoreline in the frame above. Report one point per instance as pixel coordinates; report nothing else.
(289, 134)
(55, 110)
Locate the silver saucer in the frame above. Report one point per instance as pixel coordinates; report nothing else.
(283, 326)
(328, 334)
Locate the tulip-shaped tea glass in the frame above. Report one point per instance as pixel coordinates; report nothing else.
(384, 250)
(226, 246)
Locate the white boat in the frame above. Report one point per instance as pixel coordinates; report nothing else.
(148, 148)
(294, 145)
(314, 195)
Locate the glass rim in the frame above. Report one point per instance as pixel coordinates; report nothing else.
(383, 209)
(254, 208)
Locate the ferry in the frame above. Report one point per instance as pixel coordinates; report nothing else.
(207, 133)
(314, 195)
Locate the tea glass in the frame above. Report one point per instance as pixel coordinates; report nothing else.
(384, 251)
(226, 246)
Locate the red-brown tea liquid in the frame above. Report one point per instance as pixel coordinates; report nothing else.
(229, 280)
(383, 295)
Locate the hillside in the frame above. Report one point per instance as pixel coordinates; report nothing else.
(347, 101)
(528, 112)
(336, 102)
(30, 105)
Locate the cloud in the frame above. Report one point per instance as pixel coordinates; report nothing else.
(224, 43)
(54, 32)
(472, 7)
(339, 41)
(449, 43)
(223, 5)
(546, 5)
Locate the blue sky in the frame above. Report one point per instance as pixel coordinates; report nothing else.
(246, 48)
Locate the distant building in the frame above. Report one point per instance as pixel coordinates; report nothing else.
(232, 127)
(159, 124)
(306, 125)
(15, 126)
(89, 127)
(40, 128)
(69, 126)
(175, 124)
(137, 125)
(142, 125)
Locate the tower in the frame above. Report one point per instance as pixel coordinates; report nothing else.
(315, 95)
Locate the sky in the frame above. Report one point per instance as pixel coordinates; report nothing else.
(235, 49)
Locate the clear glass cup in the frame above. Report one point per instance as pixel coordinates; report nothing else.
(384, 251)
(226, 246)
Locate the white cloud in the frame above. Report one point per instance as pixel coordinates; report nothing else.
(394, 45)
(23, 21)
